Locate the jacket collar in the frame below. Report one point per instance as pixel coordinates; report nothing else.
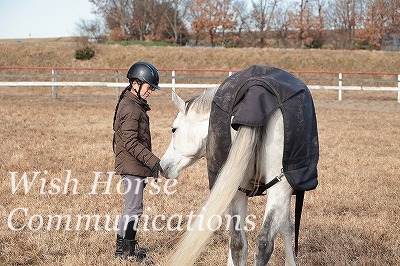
(142, 102)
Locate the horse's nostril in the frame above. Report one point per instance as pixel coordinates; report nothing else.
(162, 170)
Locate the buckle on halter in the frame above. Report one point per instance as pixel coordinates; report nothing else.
(279, 177)
(260, 188)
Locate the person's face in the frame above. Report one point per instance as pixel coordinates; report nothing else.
(146, 90)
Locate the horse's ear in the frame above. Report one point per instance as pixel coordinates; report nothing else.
(180, 104)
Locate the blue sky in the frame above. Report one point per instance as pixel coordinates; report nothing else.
(42, 18)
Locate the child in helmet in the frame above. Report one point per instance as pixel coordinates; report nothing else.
(134, 160)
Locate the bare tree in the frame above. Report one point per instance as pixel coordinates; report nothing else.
(174, 12)
(262, 13)
(282, 25)
(241, 16)
(319, 25)
(343, 16)
(144, 18)
(118, 16)
(92, 30)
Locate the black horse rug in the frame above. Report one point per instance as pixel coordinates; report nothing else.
(249, 97)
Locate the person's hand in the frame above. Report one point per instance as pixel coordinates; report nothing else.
(156, 170)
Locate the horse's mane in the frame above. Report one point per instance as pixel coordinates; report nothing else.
(201, 104)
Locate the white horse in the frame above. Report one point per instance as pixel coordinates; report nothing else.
(255, 156)
(188, 144)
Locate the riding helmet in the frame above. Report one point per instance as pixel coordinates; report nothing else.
(144, 72)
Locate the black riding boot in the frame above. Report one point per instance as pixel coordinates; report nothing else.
(127, 248)
(121, 250)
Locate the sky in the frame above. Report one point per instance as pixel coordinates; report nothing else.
(20, 19)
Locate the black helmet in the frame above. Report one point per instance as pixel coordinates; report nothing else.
(144, 72)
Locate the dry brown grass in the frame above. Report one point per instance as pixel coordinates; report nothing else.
(60, 52)
(352, 218)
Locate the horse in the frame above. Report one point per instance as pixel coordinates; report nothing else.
(255, 156)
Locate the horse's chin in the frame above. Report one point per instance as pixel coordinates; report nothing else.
(169, 172)
(172, 170)
(170, 175)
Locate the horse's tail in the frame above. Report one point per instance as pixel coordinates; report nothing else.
(224, 189)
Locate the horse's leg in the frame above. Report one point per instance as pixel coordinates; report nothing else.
(276, 220)
(238, 249)
(277, 211)
(286, 232)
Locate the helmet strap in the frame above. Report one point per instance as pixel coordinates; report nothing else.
(140, 88)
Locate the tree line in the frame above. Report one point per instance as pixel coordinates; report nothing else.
(334, 24)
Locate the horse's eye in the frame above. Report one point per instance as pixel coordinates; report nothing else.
(173, 130)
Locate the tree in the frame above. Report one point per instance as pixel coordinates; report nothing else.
(118, 16)
(343, 24)
(316, 33)
(282, 25)
(242, 16)
(309, 22)
(174, 12)
(343, 18)
(381, 21)
(213, 18)
(142, 19)
(262, 14)
(196, 17)
(92, 30)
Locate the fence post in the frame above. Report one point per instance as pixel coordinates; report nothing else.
(54, 89)
(340, 87)
(117, 81)
(173, 80)
(398, 88)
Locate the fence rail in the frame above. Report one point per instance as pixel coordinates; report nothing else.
(10, 76)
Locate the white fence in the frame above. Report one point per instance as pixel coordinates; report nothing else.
(173, 85)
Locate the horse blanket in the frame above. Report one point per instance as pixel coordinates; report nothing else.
(249, 97)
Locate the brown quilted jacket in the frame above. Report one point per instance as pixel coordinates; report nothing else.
(132, 139)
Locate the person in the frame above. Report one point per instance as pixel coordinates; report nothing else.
(134, 160)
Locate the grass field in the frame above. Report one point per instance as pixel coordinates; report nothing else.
(61, 53)
(352, 218)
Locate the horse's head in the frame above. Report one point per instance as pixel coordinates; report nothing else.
(189, 134)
